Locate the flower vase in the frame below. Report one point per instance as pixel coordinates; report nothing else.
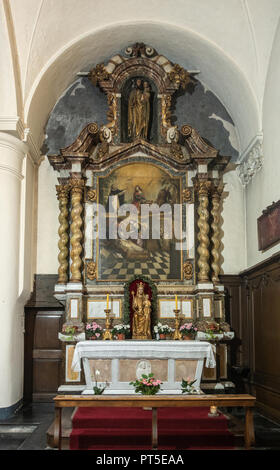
(92, 338)
(162, 336)
(187, 338)
(120, 336)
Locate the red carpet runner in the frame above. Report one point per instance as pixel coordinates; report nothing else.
(130, 429)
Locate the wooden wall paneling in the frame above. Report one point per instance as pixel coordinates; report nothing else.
(42, 361)
(263, 318)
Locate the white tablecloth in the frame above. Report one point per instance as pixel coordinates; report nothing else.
(130, 349)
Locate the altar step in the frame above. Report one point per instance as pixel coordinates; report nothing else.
(137, 418)
(130, 429)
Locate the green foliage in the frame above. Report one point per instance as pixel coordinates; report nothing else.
(211, 335)
(187, 386)
(98, 390)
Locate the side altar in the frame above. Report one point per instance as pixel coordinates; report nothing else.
(140, 201)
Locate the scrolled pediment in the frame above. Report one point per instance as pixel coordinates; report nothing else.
(92, 147)
(168, 76)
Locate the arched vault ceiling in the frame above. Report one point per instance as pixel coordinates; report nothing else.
(228, 41)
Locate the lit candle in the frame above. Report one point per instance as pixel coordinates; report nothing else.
(107, 301)
(176, 302)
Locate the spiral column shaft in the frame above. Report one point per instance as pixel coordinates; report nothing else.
(215, 226)
(203, 186)
(62, 196)
(77, 187)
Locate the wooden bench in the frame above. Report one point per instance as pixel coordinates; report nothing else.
(155, 402)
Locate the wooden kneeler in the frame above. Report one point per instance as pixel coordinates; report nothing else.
(155, 402)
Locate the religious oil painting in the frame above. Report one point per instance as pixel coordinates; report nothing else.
(269, 226)
(157, 254)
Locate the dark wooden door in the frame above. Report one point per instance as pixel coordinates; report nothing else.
(43, 353)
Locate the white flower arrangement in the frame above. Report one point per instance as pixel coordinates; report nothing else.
(120, 328)
(162, 329)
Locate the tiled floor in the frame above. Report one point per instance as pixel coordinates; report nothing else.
(27, 429)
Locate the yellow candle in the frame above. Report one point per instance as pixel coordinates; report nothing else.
(176, 302)
(107, 301)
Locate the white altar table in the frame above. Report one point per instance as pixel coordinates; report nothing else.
(119, 362)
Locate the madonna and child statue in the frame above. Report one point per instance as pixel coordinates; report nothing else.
(139, 110)
(141, 308)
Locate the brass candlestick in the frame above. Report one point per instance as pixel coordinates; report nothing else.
(107, 333)
(177, 334)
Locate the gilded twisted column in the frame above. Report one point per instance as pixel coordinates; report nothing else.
(62, 191)
(215, 226)
(202, 187)
(77, 188)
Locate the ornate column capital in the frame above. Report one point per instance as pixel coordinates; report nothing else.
(251, 160)
(76, 184)
(217, 188)
(62, 191)
(202, 186)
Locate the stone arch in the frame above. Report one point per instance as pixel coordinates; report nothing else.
(221, 74)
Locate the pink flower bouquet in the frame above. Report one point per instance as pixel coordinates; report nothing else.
(147, 385)
(188, 329)
(93, 331)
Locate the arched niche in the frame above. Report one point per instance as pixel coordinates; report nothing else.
(126, 90)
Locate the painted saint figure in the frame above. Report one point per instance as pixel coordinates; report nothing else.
(139, 111)
(115, 199)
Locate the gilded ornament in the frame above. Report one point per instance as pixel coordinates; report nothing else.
(188, 270)
(98, 74)
(139, 49)
(176, 151)
(202, 186)
(102, 151)
(91, 195)
(166, 102)
(179, 76)
(187, 195)
(91, 270)
(111, 114)
(76, 184)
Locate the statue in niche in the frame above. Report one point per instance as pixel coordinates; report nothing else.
(141, 306)
(139, 110)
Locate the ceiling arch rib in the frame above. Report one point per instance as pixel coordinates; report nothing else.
(218, 71)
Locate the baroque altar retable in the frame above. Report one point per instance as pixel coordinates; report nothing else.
(140, 158)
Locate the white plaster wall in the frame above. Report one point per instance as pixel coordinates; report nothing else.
(47, 227)
(8, 99)
(265, 186)
(233, 227)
